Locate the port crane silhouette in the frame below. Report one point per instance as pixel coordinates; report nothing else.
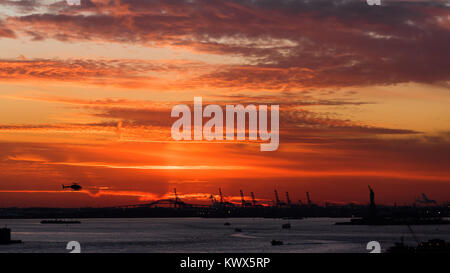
(423, 199)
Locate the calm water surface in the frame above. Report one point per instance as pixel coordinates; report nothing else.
(209, 235)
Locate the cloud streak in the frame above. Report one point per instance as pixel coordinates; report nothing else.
(289, 43)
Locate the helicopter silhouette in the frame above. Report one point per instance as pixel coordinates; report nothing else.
(74, 187)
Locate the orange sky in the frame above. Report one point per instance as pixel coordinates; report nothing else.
(86, 93)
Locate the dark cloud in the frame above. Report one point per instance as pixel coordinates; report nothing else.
(297, 124)
(5, 32)
(308, 43)
(78, 68)
(127, 73)
(22, 6)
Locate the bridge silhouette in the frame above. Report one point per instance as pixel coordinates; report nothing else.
(162, 202)
(170, 202)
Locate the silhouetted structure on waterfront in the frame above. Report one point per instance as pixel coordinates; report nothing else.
(221, 195)
(170, 202)
(5, 237)
(253, 199)
(308, 199)
(430, 246)
(175, 207)
(393, 218)
(278, 202)
(425, 200)
(288, 200)
(243, 202)
(372, 206)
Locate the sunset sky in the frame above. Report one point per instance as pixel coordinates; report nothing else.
(86, 93)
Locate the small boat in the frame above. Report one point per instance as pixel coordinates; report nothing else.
(58, 221)
(226, 224)
(286, 226)
(238, 229)
(276, 243)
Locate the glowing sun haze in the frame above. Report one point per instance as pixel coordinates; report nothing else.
(86, 93)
